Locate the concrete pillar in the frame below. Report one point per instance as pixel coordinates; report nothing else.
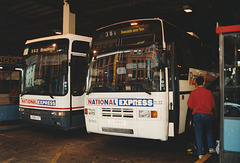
(68, 19)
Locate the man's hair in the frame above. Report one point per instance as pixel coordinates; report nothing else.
(200, 80)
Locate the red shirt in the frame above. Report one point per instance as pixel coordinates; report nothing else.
(201, 100)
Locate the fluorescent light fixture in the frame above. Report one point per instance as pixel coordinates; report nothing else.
(57, 32)
(187, 8)
(238, 50)
(1, 67)
(18, 69)
(193, 34)
(134, 23)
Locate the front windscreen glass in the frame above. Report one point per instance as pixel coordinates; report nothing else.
(128, 57)
(45, 70)
(135, 69)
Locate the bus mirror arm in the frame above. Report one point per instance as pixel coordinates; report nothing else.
(64, 67)
(171, 106)
(164, 58)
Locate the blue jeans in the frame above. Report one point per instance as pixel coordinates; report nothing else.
(203, 124)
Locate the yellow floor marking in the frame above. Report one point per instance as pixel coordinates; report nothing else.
(204, 158)
(3, 126)
(7, 161)
(56, 157)
(95, 159)
(6, 136)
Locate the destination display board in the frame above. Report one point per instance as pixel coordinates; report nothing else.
(130, 30)
(125, 34)
(8, 60)
(49, 46)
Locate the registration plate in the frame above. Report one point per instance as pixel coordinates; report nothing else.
(35, 117)
(117, 122)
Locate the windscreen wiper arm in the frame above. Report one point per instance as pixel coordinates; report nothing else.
(88, 92)
(51, 96)
(148, 92)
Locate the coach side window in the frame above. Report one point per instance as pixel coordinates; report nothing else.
(196, 57)
(182, 56)
(80, 47)
(79, 66)
(78, 75)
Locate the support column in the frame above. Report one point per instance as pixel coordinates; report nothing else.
(68, 19)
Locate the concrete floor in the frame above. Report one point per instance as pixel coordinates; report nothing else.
(26, 143)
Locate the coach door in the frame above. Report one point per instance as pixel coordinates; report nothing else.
(78, 80)
(78, 73)
(171, 85)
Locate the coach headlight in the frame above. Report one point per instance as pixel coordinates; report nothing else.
(61, 113)
(91, 111)
(54, 113)
(21, 110)
(148, 114)
(144, 114)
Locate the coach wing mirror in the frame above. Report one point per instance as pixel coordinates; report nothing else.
(64, 67)
(163, 59)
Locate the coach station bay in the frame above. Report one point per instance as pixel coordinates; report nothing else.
(119, 81)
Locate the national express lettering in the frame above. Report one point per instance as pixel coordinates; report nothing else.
(102, 102)
(39, 102)
(136, 102)
(122, 102)
(29, 101)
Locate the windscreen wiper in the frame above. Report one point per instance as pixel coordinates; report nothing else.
(49, 94)
(101, 89)
(88, 92)
(147, 91)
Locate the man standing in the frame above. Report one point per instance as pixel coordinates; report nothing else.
(201, 101)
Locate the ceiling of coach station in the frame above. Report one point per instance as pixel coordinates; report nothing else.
(21, 20)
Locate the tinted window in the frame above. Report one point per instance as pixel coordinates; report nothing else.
(9, 87)
(80, 46)
(78, 74)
